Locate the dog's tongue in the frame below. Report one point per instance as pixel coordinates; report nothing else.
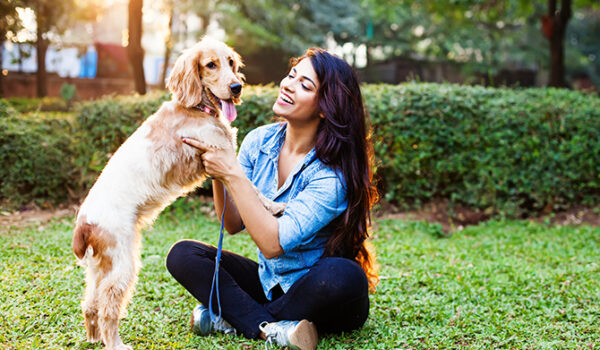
(229, 110)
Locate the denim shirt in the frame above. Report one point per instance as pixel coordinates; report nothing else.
(315, 195)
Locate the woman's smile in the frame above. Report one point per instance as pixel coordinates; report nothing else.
(284, 99)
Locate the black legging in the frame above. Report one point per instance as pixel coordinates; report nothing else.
(333, 294)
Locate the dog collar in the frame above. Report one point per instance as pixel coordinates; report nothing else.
(206, 109)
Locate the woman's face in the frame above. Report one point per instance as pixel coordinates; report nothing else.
(298, 98)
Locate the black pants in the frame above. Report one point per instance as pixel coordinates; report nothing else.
(333, 294)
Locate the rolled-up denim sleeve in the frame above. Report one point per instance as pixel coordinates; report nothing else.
(321, 201)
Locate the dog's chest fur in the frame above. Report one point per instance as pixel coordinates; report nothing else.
(154, 167)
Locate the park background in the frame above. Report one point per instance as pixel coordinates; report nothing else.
(485, 119)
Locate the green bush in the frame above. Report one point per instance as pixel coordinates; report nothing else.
(36, 157)
(513, 152)
(499, 150)
(103, 125)
(43, 104)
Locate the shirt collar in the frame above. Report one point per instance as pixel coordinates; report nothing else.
(273, 146)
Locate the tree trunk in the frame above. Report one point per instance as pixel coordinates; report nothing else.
(134, 47)
(168, 47)
(41, 45)
(1, 71)
(555, 28)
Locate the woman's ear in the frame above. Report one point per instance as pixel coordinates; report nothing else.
(184, 81)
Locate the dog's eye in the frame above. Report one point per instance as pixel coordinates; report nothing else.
(211, 65)
(231, 63)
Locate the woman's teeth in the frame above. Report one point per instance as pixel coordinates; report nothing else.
(286, 100)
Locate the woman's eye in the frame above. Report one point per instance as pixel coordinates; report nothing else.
(305, 87)
(211, 65)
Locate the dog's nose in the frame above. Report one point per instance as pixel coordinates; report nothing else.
(236, 88)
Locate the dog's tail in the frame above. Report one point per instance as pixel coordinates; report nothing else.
(81, 238)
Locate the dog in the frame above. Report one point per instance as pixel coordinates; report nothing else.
(148, 172)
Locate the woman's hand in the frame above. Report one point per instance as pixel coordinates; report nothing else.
(220, 163)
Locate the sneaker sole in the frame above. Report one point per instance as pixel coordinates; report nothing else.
(305, 337)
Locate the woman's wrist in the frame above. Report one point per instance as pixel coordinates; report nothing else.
(234, 176)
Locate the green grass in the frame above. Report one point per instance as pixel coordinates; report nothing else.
(508, 284)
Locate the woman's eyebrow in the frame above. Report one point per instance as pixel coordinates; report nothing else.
(305, 77)
(309, 79)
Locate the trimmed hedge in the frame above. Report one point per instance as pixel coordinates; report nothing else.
(36, 157)
(506, 151)
(44, 104)
(513, 152)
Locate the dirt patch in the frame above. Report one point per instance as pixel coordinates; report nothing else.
(33, 217)
(451, 219)
(457, 217)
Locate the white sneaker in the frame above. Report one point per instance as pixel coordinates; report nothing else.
(202, 325)
(297, 335)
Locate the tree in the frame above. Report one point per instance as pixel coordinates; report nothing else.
(554, 26)
(134, 45)
(168, 47)
(178, 11)
(489, 35)
(9, 23)
(289, 25)
(52, 17)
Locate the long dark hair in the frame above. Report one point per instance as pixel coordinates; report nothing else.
(344, 143)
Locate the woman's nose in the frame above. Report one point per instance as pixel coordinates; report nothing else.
(287, 84)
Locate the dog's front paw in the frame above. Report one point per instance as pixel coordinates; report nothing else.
(276, 208)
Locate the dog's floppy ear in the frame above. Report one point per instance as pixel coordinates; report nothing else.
(239, 63)
(184, 81)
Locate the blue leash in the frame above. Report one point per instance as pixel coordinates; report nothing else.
(215, 282)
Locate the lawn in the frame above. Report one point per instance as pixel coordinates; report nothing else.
(501, 284)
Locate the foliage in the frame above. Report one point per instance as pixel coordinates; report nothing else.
(53, 16)
(514, 152)
(498, 285)
(68, 92)
(583, 46)
(43, 104)
(501, 151)
(36, 154)
(291, 26)
(9, 21)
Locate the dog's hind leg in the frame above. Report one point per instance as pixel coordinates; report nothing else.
(89, 305)
(114, 293)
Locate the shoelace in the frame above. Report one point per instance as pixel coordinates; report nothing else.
(223, 326)
(270, 336)
(274, 336)
(269, 343)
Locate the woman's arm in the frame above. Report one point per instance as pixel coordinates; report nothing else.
(233, 222)
(260, 223)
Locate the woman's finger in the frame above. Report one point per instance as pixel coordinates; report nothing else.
(195, 143)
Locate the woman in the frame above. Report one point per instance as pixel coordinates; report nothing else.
(314, 270)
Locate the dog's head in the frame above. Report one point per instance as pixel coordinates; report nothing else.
(209, 69)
